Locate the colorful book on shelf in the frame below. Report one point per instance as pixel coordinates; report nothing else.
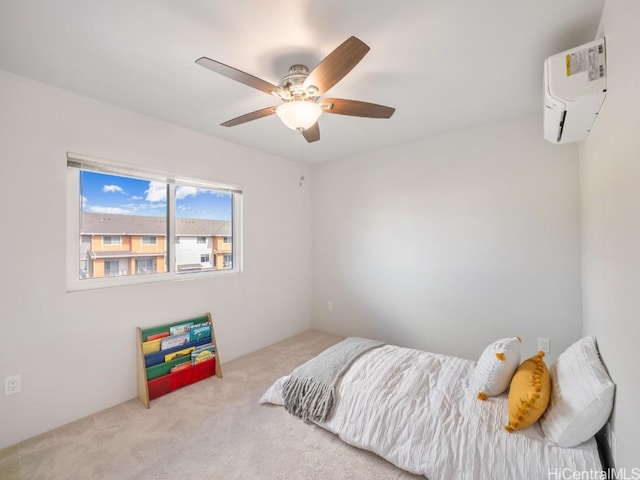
(180, 353)
(151, 346)
(174, 341)
(164, 368)
(203, 353)
(199, 331)
(157, 336)
(188, 375)
(180, 329)
(158, 357)
(180, 367)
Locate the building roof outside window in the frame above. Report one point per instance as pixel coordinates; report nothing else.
(116, 224)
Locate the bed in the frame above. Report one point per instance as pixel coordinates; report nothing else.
(422, 411)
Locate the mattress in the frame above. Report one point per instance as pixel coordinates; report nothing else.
(416, 409)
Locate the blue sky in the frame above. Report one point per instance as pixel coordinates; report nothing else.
(102, 193)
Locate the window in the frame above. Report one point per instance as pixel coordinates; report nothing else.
(110, 240)
(226, 239)
(111, 268)
(113, 205)
(145, 265)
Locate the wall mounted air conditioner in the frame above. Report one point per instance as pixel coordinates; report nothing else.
(575, 85)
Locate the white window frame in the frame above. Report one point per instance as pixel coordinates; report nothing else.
(77, 162)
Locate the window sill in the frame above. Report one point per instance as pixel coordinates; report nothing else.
(111, 282)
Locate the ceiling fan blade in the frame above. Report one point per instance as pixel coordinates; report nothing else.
(240, 76)
(355, 108)
(336, 65)
(264, 112)
(312, 134)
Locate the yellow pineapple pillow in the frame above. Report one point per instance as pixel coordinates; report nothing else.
(529, 393)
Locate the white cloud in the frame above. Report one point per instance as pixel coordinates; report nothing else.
(112, 189)
(84, 202)
(112, 210)
(152, 206)
(157, 192)
(184, 192)
(135, 197)
(130, 206)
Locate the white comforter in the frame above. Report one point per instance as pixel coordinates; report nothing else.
(416, 410)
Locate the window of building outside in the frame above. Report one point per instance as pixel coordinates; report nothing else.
(145, 265)
(131, 226)
(111, 268)
(111, 240)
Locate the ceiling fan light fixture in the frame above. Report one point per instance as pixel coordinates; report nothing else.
(301, 91)
(299, 114)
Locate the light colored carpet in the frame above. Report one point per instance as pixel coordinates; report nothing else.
(214, 429)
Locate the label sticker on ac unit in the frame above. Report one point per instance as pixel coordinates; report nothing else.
(590, 60)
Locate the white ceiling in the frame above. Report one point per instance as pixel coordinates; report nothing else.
(443, 64)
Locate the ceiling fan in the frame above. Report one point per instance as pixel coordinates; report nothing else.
(301, 91)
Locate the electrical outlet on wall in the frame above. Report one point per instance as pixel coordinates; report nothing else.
(12, 384)
(544, 344)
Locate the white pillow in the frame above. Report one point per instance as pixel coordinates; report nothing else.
(581, 395)
(496, 367)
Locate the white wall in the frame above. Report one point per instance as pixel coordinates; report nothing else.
(450, 243)
(189, 251)
(76, 351)
(610, 169)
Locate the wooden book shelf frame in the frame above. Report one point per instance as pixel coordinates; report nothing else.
(148, 389)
